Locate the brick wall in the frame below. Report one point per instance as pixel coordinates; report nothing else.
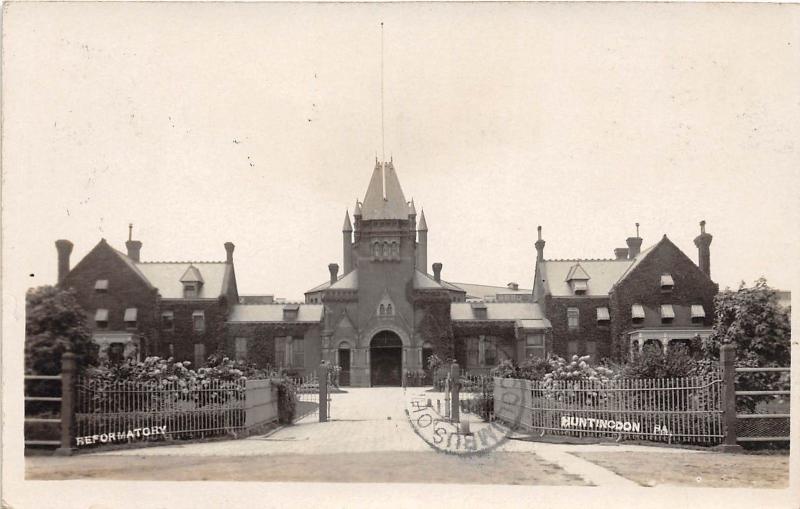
(183, 337)
(643, 286)
(126, 289)
(588, 329)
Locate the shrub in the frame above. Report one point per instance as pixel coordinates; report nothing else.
(676, 362)
(287, 401)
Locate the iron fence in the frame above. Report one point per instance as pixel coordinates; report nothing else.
(685, 410)
(121, 411)
(476, 395)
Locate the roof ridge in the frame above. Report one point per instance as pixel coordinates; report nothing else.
(578, 260)
(181, 261)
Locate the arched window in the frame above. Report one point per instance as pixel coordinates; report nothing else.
(376, 249)
(386, 249)
(389, 310)
(395, 249)
(382, 310)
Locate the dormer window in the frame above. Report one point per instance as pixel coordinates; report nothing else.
(101, 286)
(667, 283)
(603, 316)
(698, 313)
(578, 280)
(290, 312)
(192, 282)
(667, 313)
(479, 310)
(637, 313)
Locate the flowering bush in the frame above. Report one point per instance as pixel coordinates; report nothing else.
(576, 369)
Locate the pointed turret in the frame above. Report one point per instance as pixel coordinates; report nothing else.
(347, 244)
(422, 243)
(348, 227)
(384, 198)
(357, 210)
(423, 225)
(412, 210)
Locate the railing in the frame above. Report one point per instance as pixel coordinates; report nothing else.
(121, 411)
(38, 406)
(307, 391)
(65, 402)
(764, 426)
(686, 410)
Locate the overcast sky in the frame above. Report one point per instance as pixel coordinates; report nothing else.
(259, 124)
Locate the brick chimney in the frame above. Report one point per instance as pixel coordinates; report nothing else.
(539, 245)
(64, 248)
(634, 244)
(621, 253)
(334, 270)
(513, 286)
(437, 272)
(703, 243)
(133, 246)
(229, 247)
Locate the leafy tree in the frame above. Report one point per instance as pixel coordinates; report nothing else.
(751, 319)
(54, 324)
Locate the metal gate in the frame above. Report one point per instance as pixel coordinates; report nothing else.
(309, 393)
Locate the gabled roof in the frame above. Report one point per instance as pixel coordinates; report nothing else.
(641, 256)
(168, 276)
(243, 313)
(348, 281)
(529, 314)
(384, 198)
(577, 272)
(604, 274)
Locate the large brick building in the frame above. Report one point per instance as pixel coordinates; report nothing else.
(385, 313)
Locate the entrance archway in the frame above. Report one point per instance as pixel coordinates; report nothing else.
(386, 359)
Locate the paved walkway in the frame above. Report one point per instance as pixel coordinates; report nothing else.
(366, 421)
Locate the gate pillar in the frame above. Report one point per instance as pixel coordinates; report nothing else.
(727, 359)
(322, 376)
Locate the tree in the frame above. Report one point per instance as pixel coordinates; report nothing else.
(55, 323)
(752, 320)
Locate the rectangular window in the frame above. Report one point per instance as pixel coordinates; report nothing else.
(667, 283)
(603, 317)
(199, 355)
(490, 351)
(189, 290)
(241, 349)
(290, 312)
(667, 313)
(167, 320)
(280, 352)
(573, 316)
(534, 346)
(698, 313)
(101, 285)
(130, 318)
(479, 310)
(472, 352)
(299, 353)
(101, 318)
(199, 321)
(579, 286)
(637, 312)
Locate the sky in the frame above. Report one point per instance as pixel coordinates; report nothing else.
(260, 124)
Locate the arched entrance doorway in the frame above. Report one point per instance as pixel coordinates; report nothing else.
(386, 359)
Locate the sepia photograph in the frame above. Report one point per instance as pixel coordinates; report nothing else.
(459, 254)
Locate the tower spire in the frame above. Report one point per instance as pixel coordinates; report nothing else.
(383, 135)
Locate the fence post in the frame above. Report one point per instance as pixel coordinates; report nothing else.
(727, 359)
(68, 368)
(455, 376)
(322, 375)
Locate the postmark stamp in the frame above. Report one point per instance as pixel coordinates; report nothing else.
(430, 417)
